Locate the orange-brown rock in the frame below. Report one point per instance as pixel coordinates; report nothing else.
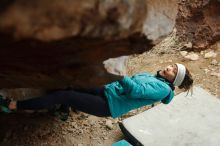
(198, 21)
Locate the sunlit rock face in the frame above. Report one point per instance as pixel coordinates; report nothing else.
(63, 44)
(198, 21)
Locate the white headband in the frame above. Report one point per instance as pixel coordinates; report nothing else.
(181, 71)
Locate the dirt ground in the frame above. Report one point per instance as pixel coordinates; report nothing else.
(41, 129)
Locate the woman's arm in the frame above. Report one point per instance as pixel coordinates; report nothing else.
(151, 90)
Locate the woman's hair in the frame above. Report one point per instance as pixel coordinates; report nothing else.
(187, 82)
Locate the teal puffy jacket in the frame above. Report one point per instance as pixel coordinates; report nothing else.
(136, 91)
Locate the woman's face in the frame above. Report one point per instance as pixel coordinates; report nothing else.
(169, 72)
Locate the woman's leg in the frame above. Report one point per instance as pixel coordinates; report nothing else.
(93, 91)
(88, 103)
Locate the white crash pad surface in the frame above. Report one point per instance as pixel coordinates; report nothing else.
(186, 121)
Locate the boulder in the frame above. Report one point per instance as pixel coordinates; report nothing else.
(114, 19)
(63, 44)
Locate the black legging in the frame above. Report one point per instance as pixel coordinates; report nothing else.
(91, 101)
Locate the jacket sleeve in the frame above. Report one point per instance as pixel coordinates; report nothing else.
(152, 90)
(168, 99)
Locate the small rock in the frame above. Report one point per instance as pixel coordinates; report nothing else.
(117, 65)
(206, 70)
(202, 52)
(109, 124)
(81, 131)
(92, 120)
(70, 130)
(210, 54)
(64, 132)
(183, 53)
(192, 56)
(214, 62)
(73, 124)
(215, 74)
(105, 138)
(95, 138)
(116, 121)
(188, 45)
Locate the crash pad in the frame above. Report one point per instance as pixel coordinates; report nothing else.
(187, 120)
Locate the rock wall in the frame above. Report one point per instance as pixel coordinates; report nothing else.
(64, 43)
(110, 19)
(198, 21)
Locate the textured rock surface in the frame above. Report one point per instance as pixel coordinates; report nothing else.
(64, 43)
(46, 20)
(198, 21)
